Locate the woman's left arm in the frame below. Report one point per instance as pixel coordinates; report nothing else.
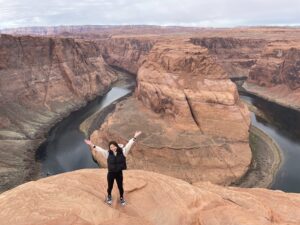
(130, 143)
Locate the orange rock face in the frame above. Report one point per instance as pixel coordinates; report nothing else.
(276, 76)
(78, 198)
(127, 53)
(272, 66)
(269, 54)
(41, 81)
(195, 128)
(279, 64)
(182, 81)
(235, 55)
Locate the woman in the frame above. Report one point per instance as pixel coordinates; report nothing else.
(116, 163)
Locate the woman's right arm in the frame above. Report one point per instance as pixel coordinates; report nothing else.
(101, 150)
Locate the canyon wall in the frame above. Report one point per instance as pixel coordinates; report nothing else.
(126, 53)
(235, 55)
(276, 75)
(152, 198)
(272, 66)
(41, 81)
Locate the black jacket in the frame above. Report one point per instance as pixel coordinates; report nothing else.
(116, 163)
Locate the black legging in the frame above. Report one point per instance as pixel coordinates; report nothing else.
(111, 176)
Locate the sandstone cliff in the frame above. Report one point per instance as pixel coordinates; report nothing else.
(41, 81)
(272, 66)
(194, 125)
(276, 75)
(78, 198)
(126, 53)
(235, 55)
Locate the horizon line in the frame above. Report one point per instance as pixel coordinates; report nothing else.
(155, 25)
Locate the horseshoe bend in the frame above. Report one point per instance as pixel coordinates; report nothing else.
(187, 100)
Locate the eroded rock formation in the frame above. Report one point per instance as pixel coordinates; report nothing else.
(194, 125)
(78, 198)
(235, 55)
(41, 81)
(127, 53)
(260, 52)
(276, 76)
(272, 66)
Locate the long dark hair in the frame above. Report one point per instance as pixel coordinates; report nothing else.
(115, 144)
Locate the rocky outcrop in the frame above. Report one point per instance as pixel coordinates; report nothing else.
(276, 76)
(126, 53)
(272, 66)
(235, 55)
(194, 125)
(41, 81)
(77, 198)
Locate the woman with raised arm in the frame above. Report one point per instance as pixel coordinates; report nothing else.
(116, 163)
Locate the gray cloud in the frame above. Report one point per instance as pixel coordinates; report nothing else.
(215, 13)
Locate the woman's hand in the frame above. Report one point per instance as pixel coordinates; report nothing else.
(88, 142)
(137, 133)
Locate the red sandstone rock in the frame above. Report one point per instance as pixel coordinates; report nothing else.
(77, 198)
(235, 55)
(276, 76)
(194, 125)
(127, 53)
(272, 65)
(237, 50)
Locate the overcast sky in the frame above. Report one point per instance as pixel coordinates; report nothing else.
(212, 13)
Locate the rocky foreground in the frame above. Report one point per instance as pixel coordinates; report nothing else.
(77, 198)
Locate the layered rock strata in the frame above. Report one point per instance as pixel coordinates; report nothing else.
(41, 81)
(276, 75)
(272, 66)
(235, 55)
(127, 53)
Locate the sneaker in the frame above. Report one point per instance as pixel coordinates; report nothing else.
(122, 201)
(108, 199)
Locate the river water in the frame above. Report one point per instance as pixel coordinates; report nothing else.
(283, 126)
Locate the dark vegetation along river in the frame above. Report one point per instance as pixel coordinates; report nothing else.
(65, 150)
